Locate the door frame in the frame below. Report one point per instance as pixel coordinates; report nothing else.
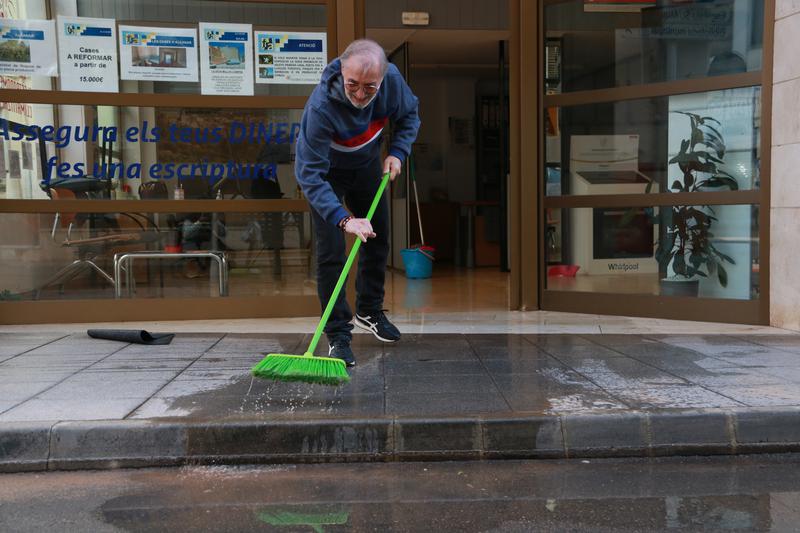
(395, 261)
(525, 125)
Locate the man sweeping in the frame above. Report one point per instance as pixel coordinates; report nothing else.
(339, 168)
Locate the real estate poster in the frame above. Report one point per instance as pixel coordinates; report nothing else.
(702, 21)
(26, 48)
(226, 59)
(14, 168)
(290, 58)
(158, 54)
(87, 54)
(27, 163)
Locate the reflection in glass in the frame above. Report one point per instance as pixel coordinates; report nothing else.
(313, 517)
(71, 255)
(629, 147)
(660, 42)
(704, 251)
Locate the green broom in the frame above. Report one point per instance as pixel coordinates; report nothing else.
(308, 368)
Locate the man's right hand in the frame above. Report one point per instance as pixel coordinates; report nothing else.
(360, 227)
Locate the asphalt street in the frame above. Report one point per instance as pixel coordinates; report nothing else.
(745, 493)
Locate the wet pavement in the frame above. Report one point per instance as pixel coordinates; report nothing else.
(756, 493)
(202, 376)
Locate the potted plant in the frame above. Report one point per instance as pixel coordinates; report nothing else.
(687, 244)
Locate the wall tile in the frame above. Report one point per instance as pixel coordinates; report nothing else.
(784, 8)
(785, 119)
(787, 41)
(785, 176)
(784, 282)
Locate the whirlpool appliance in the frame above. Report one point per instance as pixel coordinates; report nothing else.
(611, 241)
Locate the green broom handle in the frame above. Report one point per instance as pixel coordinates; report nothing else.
(343, 275)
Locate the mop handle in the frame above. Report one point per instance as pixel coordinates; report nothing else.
(343, 276)
(416, 199)
(419, 215)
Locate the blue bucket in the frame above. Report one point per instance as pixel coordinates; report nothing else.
(418, 264)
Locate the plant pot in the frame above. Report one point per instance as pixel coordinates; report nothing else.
(679, 287)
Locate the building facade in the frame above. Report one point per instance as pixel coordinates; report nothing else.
(614, 157)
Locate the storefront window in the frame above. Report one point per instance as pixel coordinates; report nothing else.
(597, 45)
(264, 17)
(701, 251)
(637, 146)
(71, 255)
(621, 143)
(182, 65)
(113, 149)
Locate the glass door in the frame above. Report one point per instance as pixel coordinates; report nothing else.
(651, 181)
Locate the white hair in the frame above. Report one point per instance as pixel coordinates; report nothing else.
(370, 54)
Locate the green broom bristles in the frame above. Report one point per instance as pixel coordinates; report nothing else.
(305, 368)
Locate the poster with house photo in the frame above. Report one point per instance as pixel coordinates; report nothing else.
(158, 54)
(26, 48)
(226, 59)
(290, 58)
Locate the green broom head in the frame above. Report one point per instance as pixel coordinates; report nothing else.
(304, 368)
(312, 516)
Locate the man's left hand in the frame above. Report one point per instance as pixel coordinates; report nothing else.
(392, 165)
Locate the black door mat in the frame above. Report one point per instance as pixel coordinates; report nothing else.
(138, 336)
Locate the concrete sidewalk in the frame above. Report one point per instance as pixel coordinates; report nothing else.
(68, 401)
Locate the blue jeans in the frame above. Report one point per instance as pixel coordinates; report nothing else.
(356, 189)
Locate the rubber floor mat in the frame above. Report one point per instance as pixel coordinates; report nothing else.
(138, 336)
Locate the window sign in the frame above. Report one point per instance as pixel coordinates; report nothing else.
(26, 48)
(87, 54)
(158, 54)
(290, 58)
(705, 22)
(226, 59)
(617, 6)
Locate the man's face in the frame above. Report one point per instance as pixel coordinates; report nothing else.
(360, 85)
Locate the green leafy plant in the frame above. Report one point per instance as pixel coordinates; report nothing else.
(687, 244)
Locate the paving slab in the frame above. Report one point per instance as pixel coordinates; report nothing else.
(564, 398)
(431, 395)
(453, 403)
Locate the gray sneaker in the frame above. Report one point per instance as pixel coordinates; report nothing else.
(376, 323)
(340, 349)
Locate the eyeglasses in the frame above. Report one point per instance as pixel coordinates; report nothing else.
(369, 88)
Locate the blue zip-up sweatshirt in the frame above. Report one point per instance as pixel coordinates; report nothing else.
(335, 134)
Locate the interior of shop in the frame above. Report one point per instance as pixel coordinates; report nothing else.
(459, 164)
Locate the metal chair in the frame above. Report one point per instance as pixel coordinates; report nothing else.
(88, 248)
(157, 190)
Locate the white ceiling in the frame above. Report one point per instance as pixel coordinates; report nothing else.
(443, 47)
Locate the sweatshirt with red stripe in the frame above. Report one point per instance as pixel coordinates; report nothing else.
(335, 134)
